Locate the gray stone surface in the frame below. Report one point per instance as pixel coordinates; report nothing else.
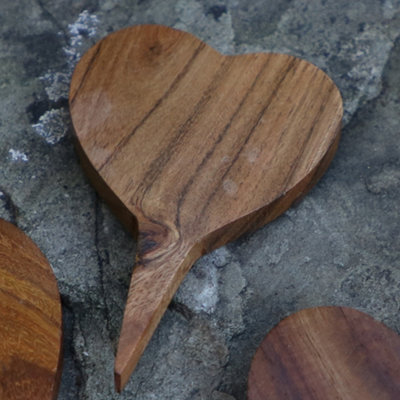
(339, 246)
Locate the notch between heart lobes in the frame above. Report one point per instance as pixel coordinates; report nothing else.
(198, 146)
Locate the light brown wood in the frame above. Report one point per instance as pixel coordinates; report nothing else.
(198, 146)
(31, 323)
(327, 353)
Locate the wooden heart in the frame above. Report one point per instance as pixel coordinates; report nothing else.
(31, 323)
(197, 146)
(327, 353)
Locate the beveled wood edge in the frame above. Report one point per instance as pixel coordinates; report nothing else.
(259, 218)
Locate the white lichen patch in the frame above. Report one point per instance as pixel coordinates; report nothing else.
(53, 125)
(199, 290)
(207, 297)
(85, 26)
(86, 22)
(17, 155)
(56, 85)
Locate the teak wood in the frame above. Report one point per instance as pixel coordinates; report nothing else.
(30, 320)
(193, 148)
(326, 353)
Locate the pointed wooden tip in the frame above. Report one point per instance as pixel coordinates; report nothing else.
(136, 331)
(118, 381)
(130, 348)
(154, 281)
(128, 356)
(143, 311)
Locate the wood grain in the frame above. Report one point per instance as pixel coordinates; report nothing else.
(31, 323)
(327, 353)
(198, 146)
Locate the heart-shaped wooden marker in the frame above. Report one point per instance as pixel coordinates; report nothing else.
(30, 320)
(198, 146)
(327, 353)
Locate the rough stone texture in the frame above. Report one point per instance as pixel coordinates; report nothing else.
(340, 245)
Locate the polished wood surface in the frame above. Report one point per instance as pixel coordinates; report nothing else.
(30, 320)
(198, 146)
(327, 353)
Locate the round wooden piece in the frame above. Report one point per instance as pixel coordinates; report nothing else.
(199, 147)
(327, 353)
(30, 320)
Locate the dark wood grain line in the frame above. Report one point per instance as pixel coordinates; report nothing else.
(34, 278)
(272, 355)
(293, 109)
(218, 141)
(291, 64)
(317, 359)
(293, 363)
(88, 69)
(287, 370)
(162, 159)
(317, 368)
(145, 248)
(364, 338)
(307, 139)
(32, 307)
(167, 93)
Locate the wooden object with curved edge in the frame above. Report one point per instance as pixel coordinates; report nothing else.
(198, 146)
(327, 353)
(31, 322)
